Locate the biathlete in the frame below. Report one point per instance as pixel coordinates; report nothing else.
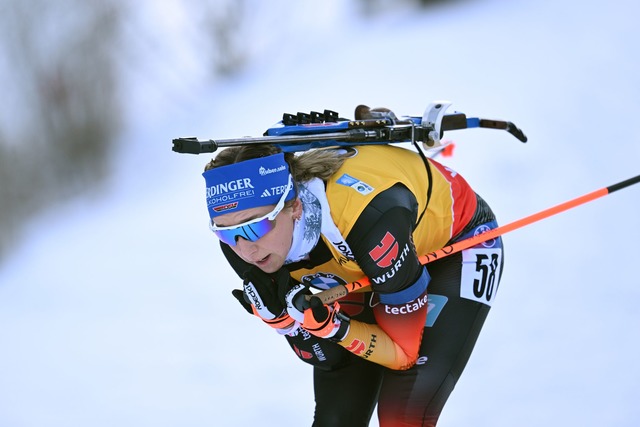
(291, 223)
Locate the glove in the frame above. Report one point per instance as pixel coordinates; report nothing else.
(321, 320)
(263, 295)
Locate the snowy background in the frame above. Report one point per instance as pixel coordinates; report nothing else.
(116, 309)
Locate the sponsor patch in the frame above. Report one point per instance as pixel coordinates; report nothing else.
(360, 186)
(435, 304)
(356, 347)
(305, 355)
(274, 191)
(386, 252)
(322, 280)
(317, 350)
(407, 308)
(266, 171)
(422, 360)
(483, 229)
(226, 207)
(396, 264)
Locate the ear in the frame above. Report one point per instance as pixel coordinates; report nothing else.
(297, 208)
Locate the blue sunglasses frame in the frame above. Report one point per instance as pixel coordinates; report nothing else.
(254, 229)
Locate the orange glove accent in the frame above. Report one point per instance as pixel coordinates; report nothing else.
(325, 321)
(283, 322)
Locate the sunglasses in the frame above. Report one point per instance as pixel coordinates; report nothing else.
(254, 229)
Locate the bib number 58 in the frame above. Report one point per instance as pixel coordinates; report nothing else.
(480, 274)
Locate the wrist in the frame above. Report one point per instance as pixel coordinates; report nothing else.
(291, 330)
(281, 322)
(343, 328)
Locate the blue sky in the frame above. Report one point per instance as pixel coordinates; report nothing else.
(117, 308)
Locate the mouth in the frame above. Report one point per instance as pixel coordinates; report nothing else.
(262, 261)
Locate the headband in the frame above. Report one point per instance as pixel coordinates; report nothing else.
(247, 184)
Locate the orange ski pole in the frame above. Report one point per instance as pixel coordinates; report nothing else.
(337, 292)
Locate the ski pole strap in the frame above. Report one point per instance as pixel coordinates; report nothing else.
(330, 295)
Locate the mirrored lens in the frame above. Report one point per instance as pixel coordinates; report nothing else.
(251, 232)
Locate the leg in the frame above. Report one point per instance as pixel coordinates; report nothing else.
(346, 396)
(416, 397)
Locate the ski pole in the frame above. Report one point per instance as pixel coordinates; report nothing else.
(330, 295)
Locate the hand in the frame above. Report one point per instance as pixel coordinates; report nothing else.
(324, 321)
(263, 295)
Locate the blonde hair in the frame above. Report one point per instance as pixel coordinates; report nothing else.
(320, 163)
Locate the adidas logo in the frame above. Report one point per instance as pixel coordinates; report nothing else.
(265, 193)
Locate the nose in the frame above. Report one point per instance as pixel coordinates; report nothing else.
(246, 247)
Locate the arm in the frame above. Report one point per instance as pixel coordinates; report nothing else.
(381, 242)
(310, 349)
(382, 245)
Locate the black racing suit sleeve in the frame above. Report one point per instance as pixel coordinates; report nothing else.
(381, 240)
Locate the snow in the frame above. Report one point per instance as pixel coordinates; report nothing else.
(117, 308)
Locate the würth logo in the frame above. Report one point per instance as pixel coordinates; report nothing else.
(356, 347)
(302, 354)
(386, 252)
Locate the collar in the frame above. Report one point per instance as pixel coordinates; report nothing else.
(315, 220)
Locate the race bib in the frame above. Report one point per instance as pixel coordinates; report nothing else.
(480, 274)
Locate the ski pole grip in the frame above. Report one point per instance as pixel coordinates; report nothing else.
(327, 297)
(193, 146)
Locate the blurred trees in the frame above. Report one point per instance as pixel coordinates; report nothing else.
(63, 70)
(64, 65)
(370, 7)
(225, 24)
(60, 112)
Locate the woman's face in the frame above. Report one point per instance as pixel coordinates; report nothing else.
(269, 252)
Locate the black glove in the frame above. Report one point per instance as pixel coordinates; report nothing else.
(322, 320)
(263, 295)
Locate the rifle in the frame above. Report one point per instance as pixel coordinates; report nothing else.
(305, 131)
